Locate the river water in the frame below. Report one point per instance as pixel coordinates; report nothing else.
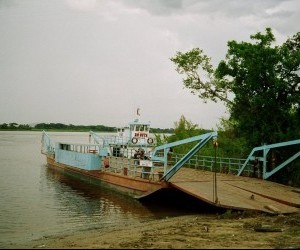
(39, 202)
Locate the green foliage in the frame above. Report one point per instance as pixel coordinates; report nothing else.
(263, 81)
(161, 139)
(229, 145)
(162, 130)
(185, 129)
(71, 127)
(14, 126)
(56, 126)
(198, 71)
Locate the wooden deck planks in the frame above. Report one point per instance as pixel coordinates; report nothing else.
(278, 192)
(238, 192)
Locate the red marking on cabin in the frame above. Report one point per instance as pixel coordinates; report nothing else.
(140, 135)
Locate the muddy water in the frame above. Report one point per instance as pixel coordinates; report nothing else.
(39, 202)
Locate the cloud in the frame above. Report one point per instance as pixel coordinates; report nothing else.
(82, 5)
(95, 62)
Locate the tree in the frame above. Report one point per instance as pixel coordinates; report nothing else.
(199, 75)
(13, 125)
(184, 129)
(263, 80)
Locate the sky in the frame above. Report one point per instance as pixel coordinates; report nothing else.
(92, 62)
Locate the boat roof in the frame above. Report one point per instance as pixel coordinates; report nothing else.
(138, 122)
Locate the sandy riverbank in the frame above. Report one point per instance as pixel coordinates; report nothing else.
(191, 231)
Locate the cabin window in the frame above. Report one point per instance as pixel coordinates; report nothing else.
(132, 127)
(140, 128)
(64, 146)
(117, 151)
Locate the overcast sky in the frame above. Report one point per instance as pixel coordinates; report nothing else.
(88, 62)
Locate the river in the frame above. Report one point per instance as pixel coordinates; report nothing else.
(39, 202)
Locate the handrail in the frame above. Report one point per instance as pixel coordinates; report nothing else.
(117, 140)
(160, 155)
(48, 145)
(203, 139)
(265, 150)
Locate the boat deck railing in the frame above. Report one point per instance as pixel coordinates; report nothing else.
(134, 168)
(217, 164)
(128, 161)
(48, 145)
(81, 148)
(107, 140)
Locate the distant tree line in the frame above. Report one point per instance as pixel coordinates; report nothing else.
(15, 126)
(71, 127)
(162, 130)
(64, 127)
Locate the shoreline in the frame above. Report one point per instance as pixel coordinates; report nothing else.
(227, 231)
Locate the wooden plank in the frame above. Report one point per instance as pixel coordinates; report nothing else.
(278, 192)
(236, 192)
(232, 198)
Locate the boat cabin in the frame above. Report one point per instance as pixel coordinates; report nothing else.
(136, 132)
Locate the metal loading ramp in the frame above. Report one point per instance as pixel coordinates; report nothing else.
(237, 192)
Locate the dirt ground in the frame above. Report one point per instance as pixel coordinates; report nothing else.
(227, 231)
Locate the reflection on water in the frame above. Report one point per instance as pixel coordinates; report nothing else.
(37, 202)
(103, 201)
(95, 201)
